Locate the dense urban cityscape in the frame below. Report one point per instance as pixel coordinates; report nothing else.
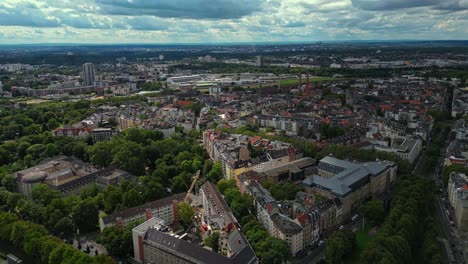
(310, 153)
(234, 132)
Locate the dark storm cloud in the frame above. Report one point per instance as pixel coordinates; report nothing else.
(382, 5)
(195, 9)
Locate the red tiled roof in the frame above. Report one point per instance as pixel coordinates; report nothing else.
(413, 102)
(184, 103)
(385, 107)
(302, 219)
(255, 139)
(326, 120)
(345, 122)
(320, 144)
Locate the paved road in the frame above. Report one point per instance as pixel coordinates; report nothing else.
(443, 209)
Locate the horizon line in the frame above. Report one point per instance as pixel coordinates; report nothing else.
(231, 43)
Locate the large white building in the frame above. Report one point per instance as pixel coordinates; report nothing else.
(406, 149)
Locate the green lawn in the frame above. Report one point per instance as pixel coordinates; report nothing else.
(291, 82)
(362, 241)
(304, 80)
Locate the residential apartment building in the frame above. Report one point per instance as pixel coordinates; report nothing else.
(165, 209)
(458, 198)
(300, 222)
(233, 153)
(101, 134)
(216, 213)
(156, 243)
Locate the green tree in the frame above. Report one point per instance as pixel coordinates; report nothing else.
(213, 241)
(374, 211)
(273, 250)
(185, 212)
(112, 197)
(51, 150)
(118, 241)
(64, 227)
(339, 245)
(5, 156)
(8, 182)
(132, 198)
(129, 156)
(79, 150)
(100, 154)
(85, 215)
(44, 195)
(179, 184)
(216, 173)
(36, 151)
(225, 184)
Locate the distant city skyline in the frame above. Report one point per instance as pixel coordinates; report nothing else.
(229, 21)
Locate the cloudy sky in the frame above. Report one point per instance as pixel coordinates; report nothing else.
(193, 21)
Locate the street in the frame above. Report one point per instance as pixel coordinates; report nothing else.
(444, 210)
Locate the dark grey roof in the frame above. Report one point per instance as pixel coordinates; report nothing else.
(293, 165)
(197, 254)
(184, 249)
(244, 254)
(277, 153)
(350, 178)
(286, 224)
(344, 164)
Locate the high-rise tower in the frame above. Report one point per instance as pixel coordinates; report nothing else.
(88, 73)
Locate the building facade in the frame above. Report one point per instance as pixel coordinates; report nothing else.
(165, 209)
(88, 74)
(458, 198)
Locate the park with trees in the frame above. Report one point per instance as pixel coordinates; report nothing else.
(162, 166)
(404, 233)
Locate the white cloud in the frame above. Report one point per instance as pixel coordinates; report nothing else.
(110, 21)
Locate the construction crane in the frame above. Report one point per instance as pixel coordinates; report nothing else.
(195, 178)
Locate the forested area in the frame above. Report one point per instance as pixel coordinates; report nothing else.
(408, 234)
(36, 242)
(162, 166)
(404, 234)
